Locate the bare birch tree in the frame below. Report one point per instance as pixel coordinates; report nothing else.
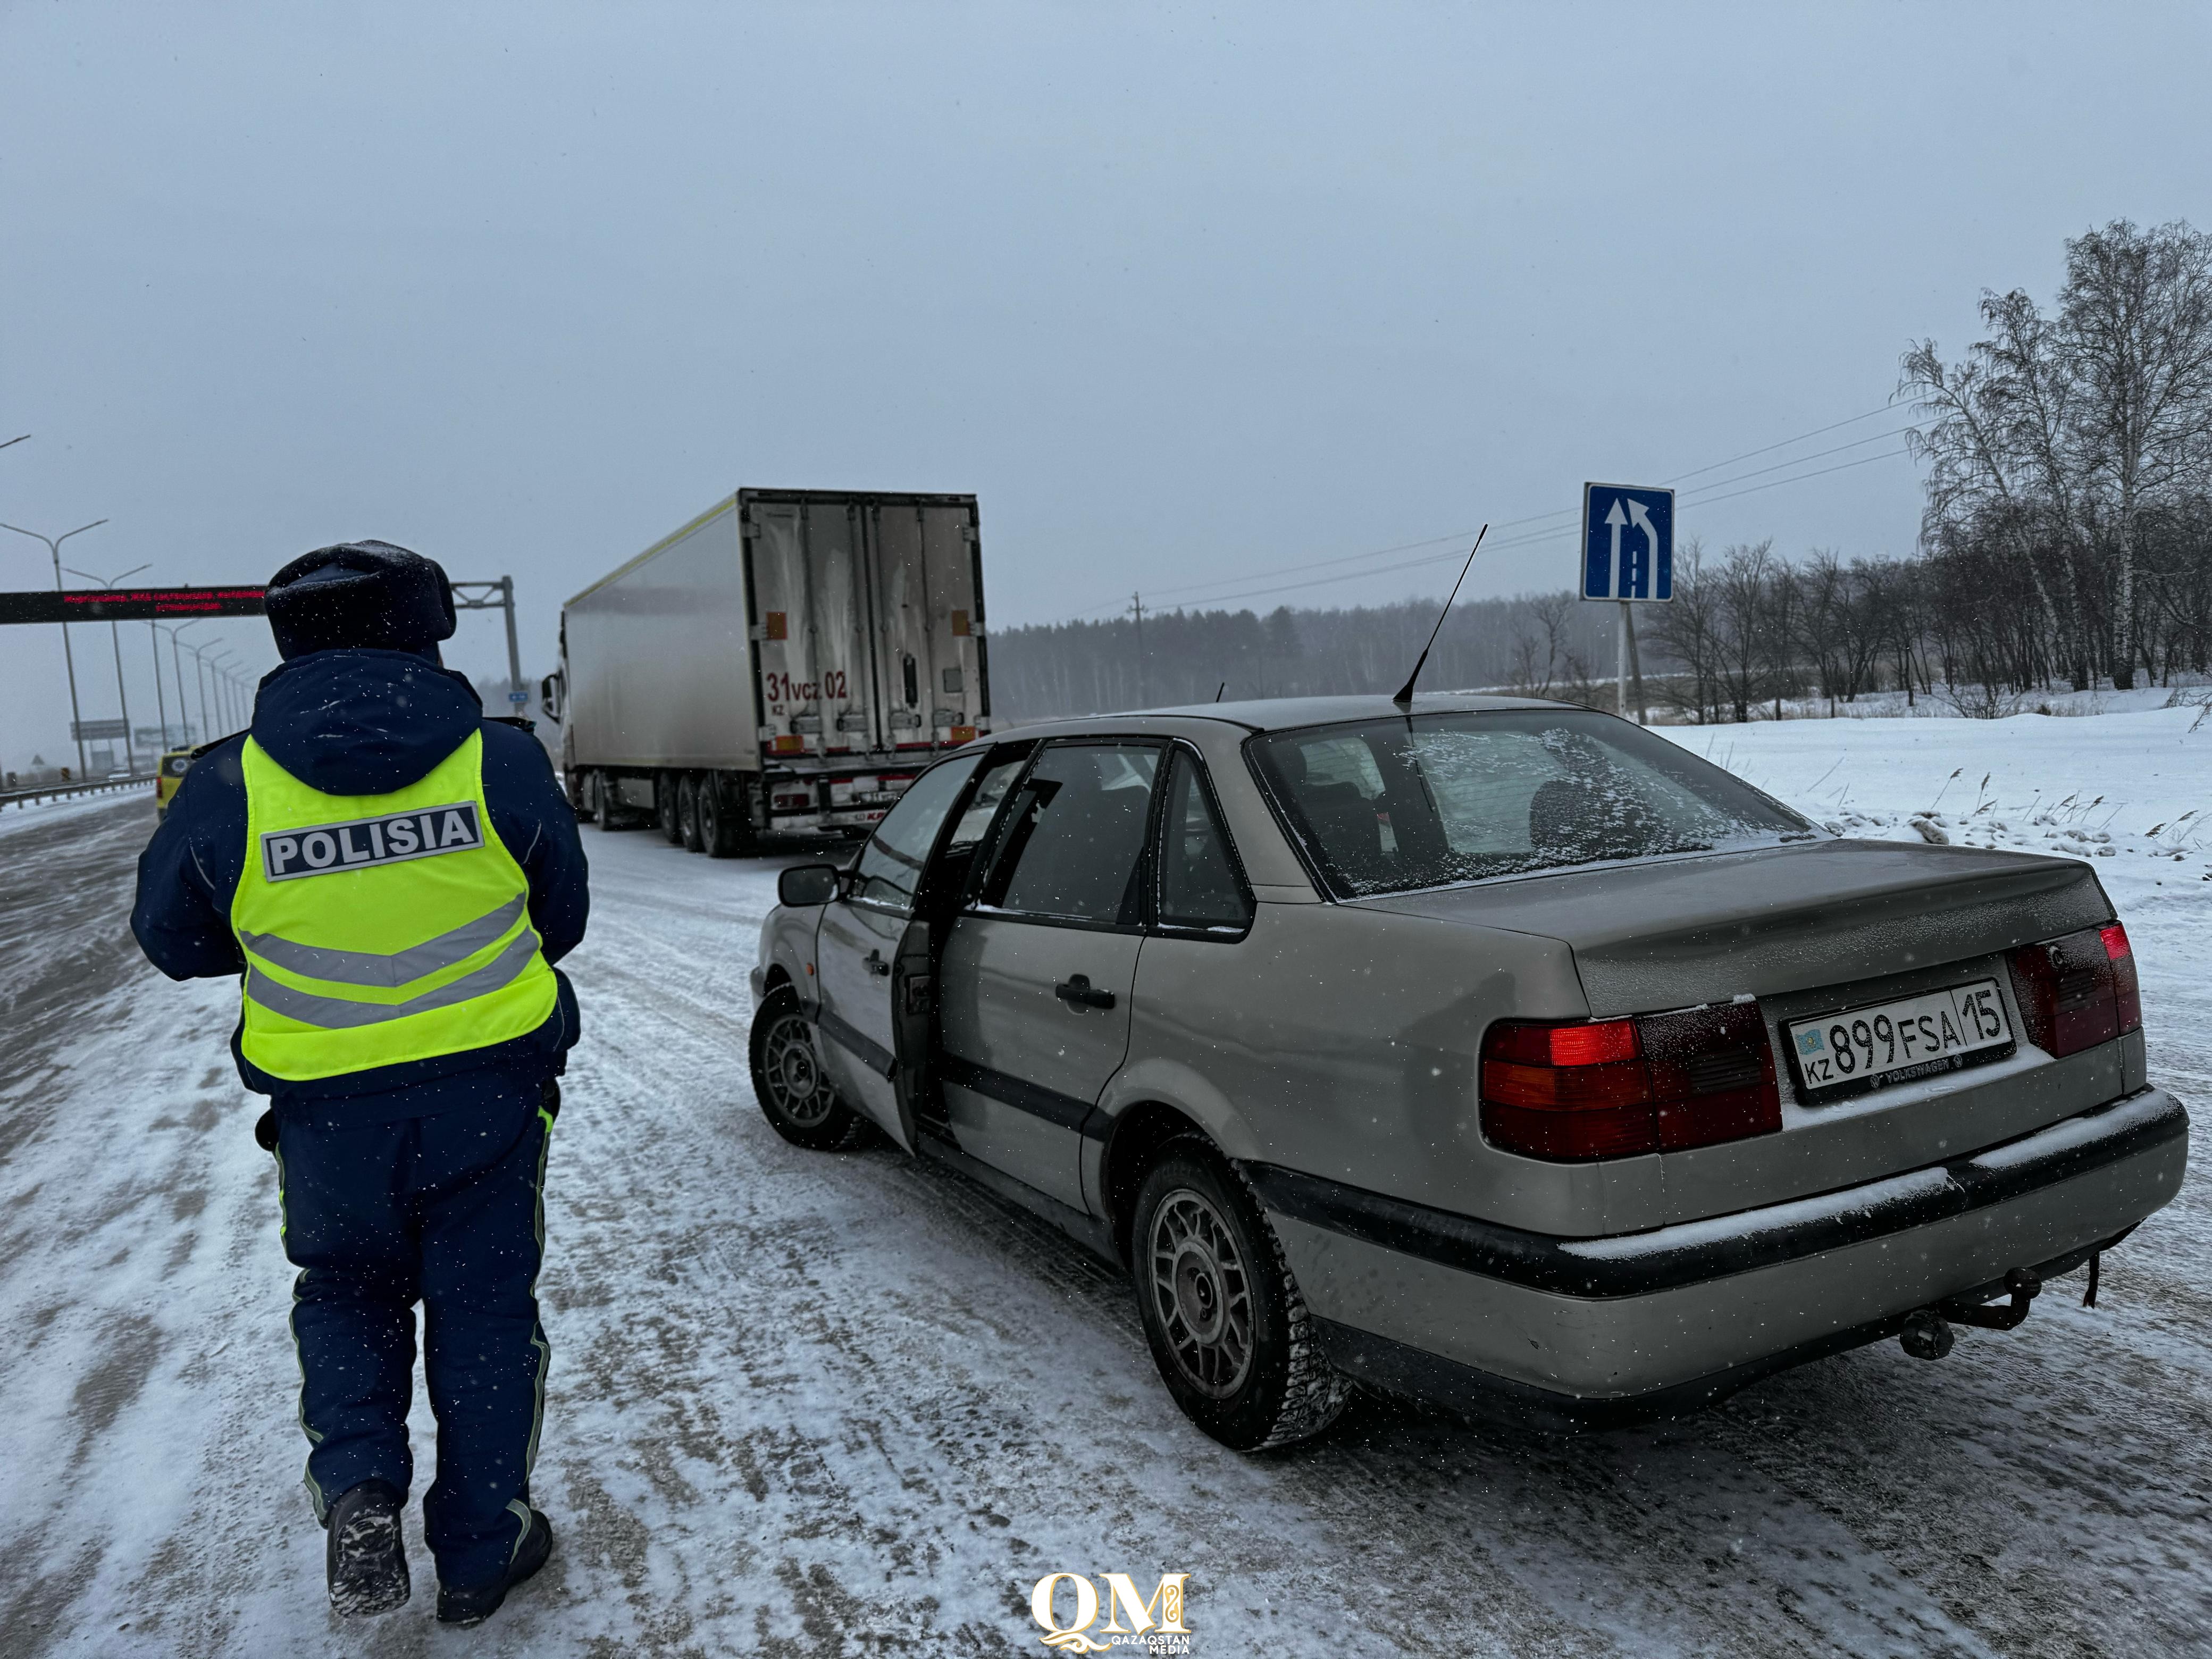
(2136, 328)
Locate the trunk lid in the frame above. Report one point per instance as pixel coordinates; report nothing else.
(1668, 934)
(1807, 929)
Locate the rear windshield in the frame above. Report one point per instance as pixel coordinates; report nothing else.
(1385, 806)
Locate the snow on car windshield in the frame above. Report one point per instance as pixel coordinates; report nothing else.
(1391, 805)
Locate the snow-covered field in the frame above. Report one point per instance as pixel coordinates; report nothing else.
(812, 1405)
(2130, 791)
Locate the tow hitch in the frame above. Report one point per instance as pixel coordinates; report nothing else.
(1928, 1334)
(2020, 1281)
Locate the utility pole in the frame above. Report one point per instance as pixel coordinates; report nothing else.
(115, 639)
(54, 546)
(1137, 605)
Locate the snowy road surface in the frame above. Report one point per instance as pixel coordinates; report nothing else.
(812, 1405)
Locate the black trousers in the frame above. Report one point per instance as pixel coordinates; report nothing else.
(447, 1210)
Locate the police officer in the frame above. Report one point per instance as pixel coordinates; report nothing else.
(392, 876)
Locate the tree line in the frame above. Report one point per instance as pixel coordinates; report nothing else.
(1176, 657)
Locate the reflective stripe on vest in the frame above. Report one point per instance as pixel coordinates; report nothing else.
(380, 929)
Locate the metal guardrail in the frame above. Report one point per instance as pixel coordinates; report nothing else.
(56, 791)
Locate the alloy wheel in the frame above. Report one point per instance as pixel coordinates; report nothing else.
(1200, 1289)
(792, 1071)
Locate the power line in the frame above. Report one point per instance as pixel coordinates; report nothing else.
(1786, 443)
(1323, 581)
(1510, 523)
(1817, 454)
(1539, 538)
(1292, 569)
(1864, 460)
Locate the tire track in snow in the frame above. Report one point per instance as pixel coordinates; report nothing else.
(817, 1405)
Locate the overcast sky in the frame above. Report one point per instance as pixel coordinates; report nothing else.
(1188, 297)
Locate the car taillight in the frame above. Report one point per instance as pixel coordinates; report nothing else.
(1567, 1092)
(1615, 1088)
(2078, 991)
(2127, 989)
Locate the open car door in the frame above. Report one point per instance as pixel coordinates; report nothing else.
(872, 958)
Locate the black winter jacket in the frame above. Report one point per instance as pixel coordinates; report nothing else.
(365, 723)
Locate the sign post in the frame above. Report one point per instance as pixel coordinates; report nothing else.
(1628, 556)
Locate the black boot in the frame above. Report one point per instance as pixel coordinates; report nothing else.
(368, 1563)
(472, 1606)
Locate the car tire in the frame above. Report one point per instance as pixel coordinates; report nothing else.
(687, 813)
(1228, 1328)
(587, 798)
(794, 1091)
(664, 809)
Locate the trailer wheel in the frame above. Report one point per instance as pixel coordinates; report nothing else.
(606, 796)
(664, 806)
(718, 832)
(687, 813)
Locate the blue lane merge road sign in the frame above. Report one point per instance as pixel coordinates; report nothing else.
(1628, 542)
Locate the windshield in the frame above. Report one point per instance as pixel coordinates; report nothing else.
(1385, 806)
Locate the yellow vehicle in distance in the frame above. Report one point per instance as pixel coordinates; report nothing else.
(168, 774)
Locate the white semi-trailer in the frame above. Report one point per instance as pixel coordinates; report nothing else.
(784, 663)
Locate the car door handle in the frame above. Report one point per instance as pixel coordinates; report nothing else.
(1078, 992)
(874, 962)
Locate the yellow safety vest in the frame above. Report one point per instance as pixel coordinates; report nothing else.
(380, 929)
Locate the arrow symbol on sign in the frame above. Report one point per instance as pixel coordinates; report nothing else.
(1650, 540)
(1614, 519)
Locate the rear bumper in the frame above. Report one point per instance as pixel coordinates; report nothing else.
(1646, 1324)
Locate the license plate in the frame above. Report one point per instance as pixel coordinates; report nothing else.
(1893, 1042)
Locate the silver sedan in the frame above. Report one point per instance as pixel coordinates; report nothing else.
(1492, 1051)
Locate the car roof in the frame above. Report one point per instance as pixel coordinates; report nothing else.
(1272, 714)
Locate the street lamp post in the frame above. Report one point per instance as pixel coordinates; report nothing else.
(200, 678)
(54, 546)
(161, 698)
(177, 672)
(115, 639)
(177, 668)
(221, 669)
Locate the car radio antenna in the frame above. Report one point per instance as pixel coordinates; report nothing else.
(1405, 697)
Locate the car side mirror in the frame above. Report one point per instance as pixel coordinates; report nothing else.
(803, 884)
